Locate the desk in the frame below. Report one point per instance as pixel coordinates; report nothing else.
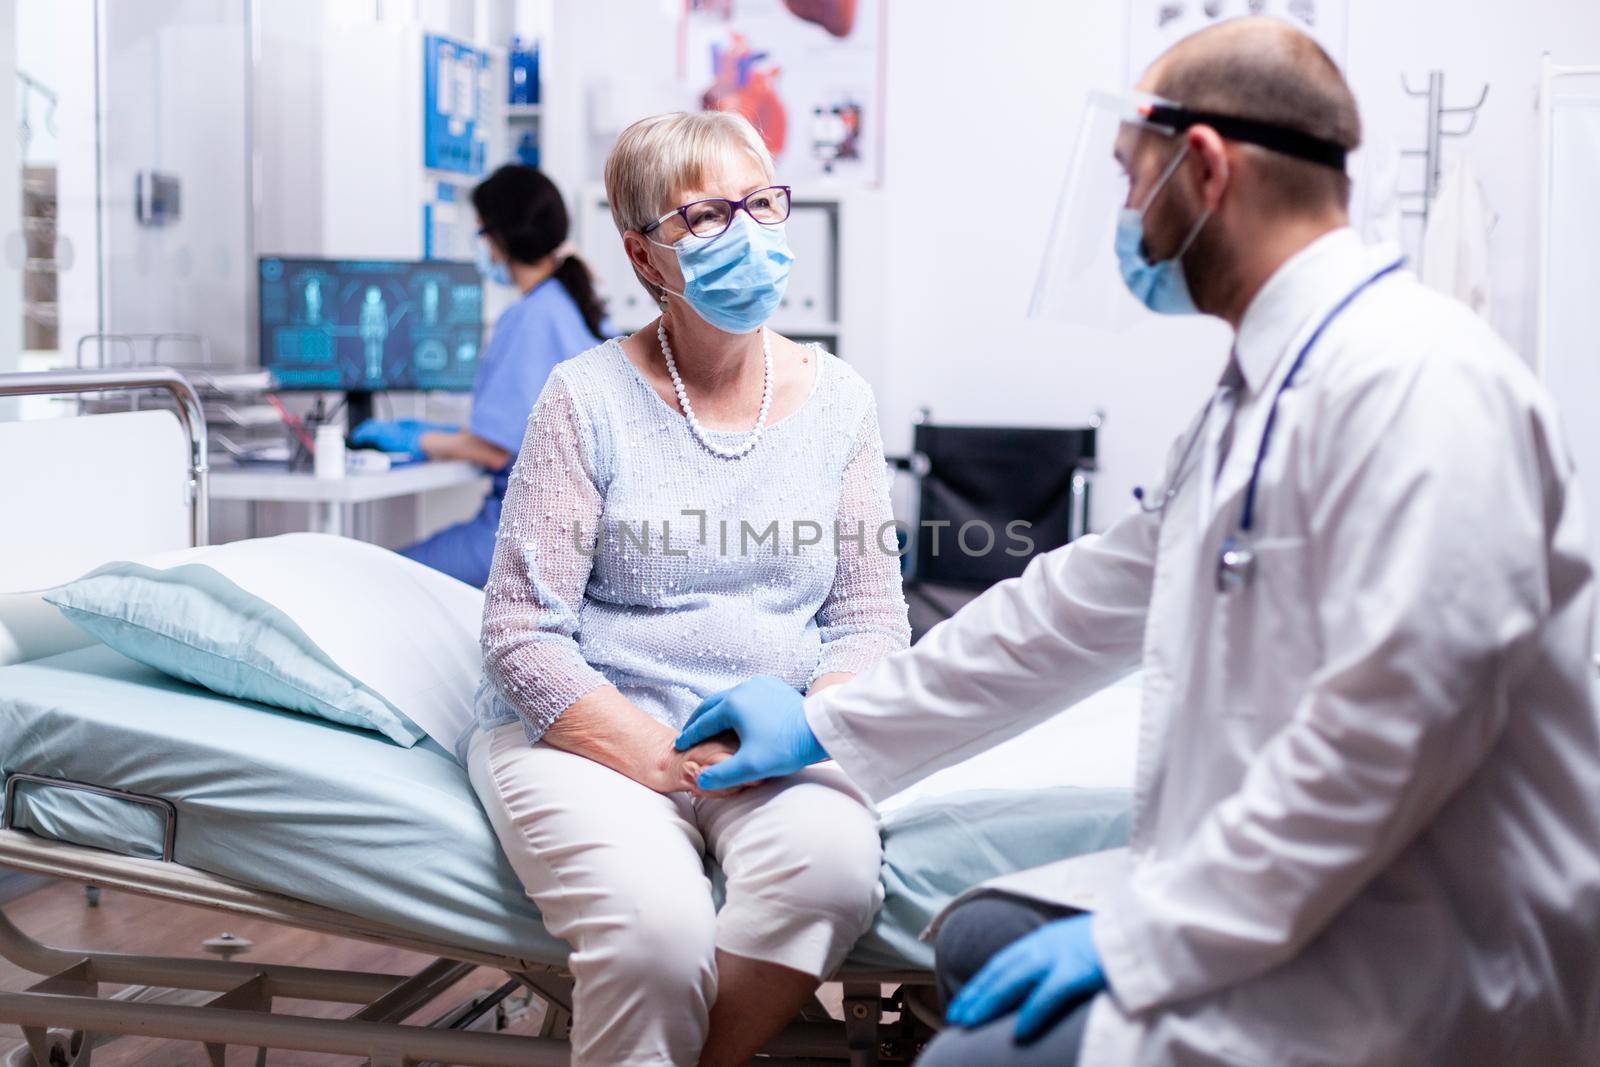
(331, 496)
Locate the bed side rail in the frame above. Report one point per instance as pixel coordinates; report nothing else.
(167, 809)
(164, 379)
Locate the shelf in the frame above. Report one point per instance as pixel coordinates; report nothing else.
(523, 112)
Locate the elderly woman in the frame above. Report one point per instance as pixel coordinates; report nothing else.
(692, 505)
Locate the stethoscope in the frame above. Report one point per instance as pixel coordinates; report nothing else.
(1236, 559)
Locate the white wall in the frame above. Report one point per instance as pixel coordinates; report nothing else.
(981, 112)
(978, 140)
(289, 93)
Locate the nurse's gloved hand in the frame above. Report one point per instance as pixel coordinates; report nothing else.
(1045, 972)
(397, 435)
(774, 738)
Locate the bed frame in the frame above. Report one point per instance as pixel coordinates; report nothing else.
(223, 1002)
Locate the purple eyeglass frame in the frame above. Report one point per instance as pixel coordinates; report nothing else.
(734, 207)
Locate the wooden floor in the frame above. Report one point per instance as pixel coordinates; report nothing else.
(58, 915)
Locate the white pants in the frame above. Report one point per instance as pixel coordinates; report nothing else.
(617, 871)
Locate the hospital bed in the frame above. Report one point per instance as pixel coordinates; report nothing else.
(122, 778)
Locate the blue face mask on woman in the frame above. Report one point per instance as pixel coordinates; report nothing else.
(1161, 287)
(735, 280)
(497, 272)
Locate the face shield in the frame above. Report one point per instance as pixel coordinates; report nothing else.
(1129, 147)
(1079, 280)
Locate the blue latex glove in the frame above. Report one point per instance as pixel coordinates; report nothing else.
(1046, 972)
(774, 737)
(397, 435)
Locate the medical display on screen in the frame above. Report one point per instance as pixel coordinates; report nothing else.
(370, 324)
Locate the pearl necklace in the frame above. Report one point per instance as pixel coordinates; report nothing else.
(694, 421)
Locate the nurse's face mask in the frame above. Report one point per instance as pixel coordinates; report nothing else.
(497, 271)
(734, 256)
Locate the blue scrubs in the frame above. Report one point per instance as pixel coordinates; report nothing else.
(529, 339)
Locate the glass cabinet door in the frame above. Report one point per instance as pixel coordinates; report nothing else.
(175, 171)
(49, 285)
(125, 193)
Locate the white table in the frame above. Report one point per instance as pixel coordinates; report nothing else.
(332, 497)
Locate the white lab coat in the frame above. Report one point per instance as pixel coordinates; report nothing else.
(1366, 819)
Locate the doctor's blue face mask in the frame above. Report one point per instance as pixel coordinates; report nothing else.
(735, 279)
(1160, 286)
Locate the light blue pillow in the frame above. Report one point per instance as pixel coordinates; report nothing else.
(193, 623)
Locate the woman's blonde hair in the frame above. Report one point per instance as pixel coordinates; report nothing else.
(663, 153)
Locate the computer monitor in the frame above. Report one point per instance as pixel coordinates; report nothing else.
(363, 325)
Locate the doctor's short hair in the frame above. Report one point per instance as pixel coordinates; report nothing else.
(1258, 68)
(658, 156)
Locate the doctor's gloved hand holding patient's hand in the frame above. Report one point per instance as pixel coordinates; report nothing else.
(686, 767)
(768, 716)
(1046, 972)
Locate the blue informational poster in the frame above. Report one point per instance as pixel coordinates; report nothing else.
(370, 324)
(455, 87)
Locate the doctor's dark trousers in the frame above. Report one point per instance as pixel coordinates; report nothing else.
(969, 937)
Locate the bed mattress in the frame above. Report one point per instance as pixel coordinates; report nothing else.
(348, 820)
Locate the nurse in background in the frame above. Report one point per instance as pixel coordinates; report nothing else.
(522, 233)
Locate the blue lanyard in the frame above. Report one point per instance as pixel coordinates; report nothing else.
(1248, 516)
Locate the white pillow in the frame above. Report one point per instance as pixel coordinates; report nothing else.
(319, 624)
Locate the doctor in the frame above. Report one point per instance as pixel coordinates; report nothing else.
(1366, 825)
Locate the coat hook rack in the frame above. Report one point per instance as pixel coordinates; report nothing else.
(1440, 120)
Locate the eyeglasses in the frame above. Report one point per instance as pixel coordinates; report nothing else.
(711, 218)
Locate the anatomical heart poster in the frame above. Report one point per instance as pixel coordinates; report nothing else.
(807, 73)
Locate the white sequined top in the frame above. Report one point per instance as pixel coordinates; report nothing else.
(707, 570)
